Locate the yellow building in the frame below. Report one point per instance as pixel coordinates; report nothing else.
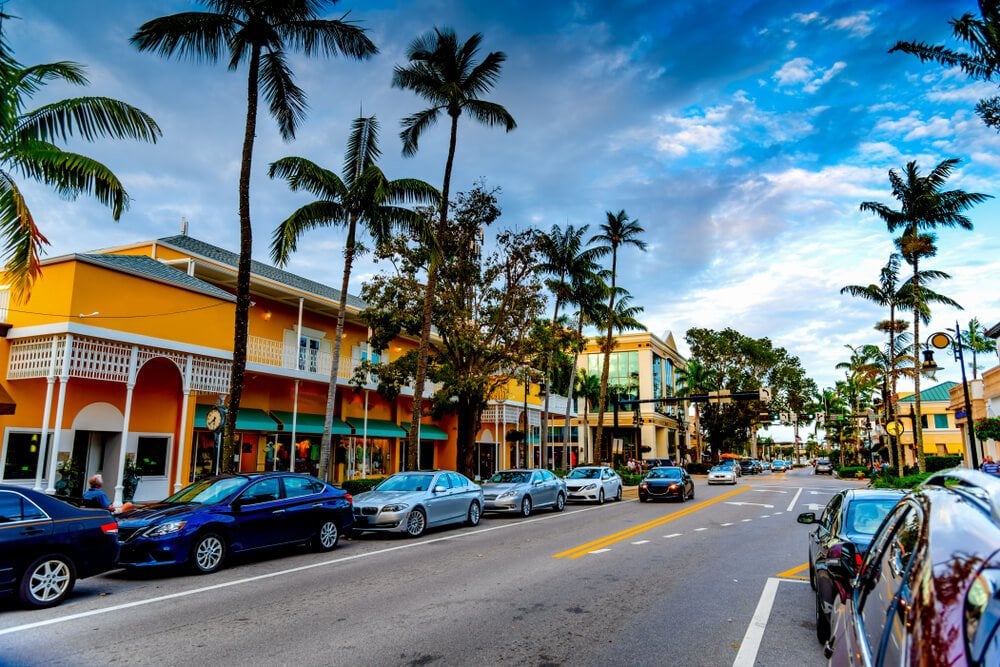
(119, 354)
(941, 435)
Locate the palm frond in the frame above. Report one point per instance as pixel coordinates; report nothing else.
(414, 126)
(287, 102)
(303, 174)
(90, 118)
(23, 242)
(198, 36)
(285, 238)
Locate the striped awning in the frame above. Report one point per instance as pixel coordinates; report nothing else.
(309, 424)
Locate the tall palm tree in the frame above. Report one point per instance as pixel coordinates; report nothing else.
(924, 207)
(617, 231)
(363, 196)
(27, 148)
(588, 296)
(588, 387)
(696, 378)
(445, 72)
(260, 33)
(975, 340)
(886, 366)
(623, 318)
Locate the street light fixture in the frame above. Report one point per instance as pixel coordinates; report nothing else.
(929, 368)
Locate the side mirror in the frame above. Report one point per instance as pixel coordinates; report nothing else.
(807, 517)
(439, 489)
(237, 504)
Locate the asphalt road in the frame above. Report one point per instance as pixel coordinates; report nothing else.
(715, 581)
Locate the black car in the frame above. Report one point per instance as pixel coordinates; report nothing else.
(205, 522)
(747, 467)
(928, 590)
(47, 544)
(665, 483)
(850, 518)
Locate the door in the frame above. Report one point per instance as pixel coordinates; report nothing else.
(23, 528)
(303, 506)
(440, 503)
(262, 519)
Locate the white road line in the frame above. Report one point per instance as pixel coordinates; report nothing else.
(777, 513)
(792, 504)
(747, 520)
(698, 530)
(755, 631)
(764, 516)
(641, 542)
(599, 551)
(725, 524)
(673, 535)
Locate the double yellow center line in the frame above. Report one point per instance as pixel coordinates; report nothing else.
(607, 541)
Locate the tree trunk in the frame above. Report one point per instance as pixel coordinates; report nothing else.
(602, 401)
(918, 430)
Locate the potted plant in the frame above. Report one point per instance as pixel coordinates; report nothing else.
(988, 428)
(69, 483)
(130, 479)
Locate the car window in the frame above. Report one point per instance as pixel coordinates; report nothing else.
(509, 477)
(262, 491)
(296, 487)
(442, 480)
(832, 509)
(865, 516)
(458, 481)
(547, 476)
(406, 482)
(585, 473)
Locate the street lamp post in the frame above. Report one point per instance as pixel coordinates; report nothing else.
(929, 368)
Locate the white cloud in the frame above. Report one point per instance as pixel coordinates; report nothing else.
(797, 70)
(811, 17)
(858, 25)
(819, 82)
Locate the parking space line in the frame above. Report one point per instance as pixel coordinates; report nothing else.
(599, 551)
(794, 500)
(793, 573)
(746, 520)
(698, 530)
(747, 655)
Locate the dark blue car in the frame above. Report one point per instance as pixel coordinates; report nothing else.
(46, 544)
(202, 524)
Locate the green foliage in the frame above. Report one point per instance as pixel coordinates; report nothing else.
(698, 468)
(356, 486)
(935, 463)
(851, 472)
(893, 482)
(628, 478)
(988, 428)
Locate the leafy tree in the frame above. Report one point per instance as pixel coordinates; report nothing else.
(445, 72)
(696, 378)
(478, 350)
(588, 387)
(924, 207)
(975, 340)
(980, 60)
(364, 196)
(259, 33)
(617, 231)
(28, 148)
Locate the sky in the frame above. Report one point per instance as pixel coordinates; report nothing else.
(741, 135)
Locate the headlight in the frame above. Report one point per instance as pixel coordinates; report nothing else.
(507, 494)
(589, 487)
(398, 507)
(674, 487)
(166, 528)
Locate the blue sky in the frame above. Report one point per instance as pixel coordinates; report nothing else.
(742, 135)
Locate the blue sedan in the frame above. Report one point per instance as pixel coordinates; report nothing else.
(202, 524)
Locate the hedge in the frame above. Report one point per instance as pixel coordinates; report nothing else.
(698, 468)
(356, 486)
(935, 463)
(893, 482)
(851, 472)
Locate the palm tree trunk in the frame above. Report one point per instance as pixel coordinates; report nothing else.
(242, 316)
(569, 398)
(918, 431)
(602, 401)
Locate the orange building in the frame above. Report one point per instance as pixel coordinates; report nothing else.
(118, 356)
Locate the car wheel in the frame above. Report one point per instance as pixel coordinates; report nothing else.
(526, 506)
(560, 503)
(600, 497)
(642, 498)
(618, 494)
(692, 492)
(416, 523)
(822, 621)
(208, 553)
(47, 581)
(327, 536)
(472, 519)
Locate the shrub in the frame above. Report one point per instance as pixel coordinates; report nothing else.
(356, 486)
(935, 463)
(851, 472)
(697, 468)
(630, 479)
(893, 482)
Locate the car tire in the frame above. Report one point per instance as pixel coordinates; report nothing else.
(618, 494)
(474, 515)
(822, 621)
(327, 536)
(600, 497)
(642, 498)
(560, 503)
(47, 581)
(526, 506)
(416, 523)
(692, 493)
(208, 553)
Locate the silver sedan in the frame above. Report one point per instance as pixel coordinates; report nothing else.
(411, 502)
(593, 483)
(522, 491)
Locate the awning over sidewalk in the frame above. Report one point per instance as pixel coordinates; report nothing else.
(428, 431)
(309, 424)
(377, 428)
(249, 419)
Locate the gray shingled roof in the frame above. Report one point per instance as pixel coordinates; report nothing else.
(215, 253)
(147, 267)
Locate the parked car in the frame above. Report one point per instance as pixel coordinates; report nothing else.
(411, 502)
(666, 483)
(204, 523)
(523, 491)
(593, 483)
(824, 467)
(46, 544)
(927, 590)
(778, 465)
(722, 475)
(850, 518)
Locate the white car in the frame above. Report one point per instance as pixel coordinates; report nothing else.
(722, 475)
(593, 483)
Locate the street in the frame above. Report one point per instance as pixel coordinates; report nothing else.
(624, 583)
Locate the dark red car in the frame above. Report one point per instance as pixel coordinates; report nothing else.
(928, 591)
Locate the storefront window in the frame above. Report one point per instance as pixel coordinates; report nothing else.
(21, 455)
(151, 455)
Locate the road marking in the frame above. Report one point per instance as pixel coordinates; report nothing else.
(777, 513)
(641, 542)
(793, 573)
(792, 504)
(673, 535)
(754, 504)
(698, 530)
(747, 520)
(625, 534)
(815, 507)
(764, 516)
(725, 524)
(599, 551)
(770, 491)
(755, 632)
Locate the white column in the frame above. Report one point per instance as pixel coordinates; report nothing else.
(133, 371)
(182, 432)
(50, 380)
(60, 404)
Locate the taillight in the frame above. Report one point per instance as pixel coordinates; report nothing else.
(858, 560)
(110, 528)
(349, 498)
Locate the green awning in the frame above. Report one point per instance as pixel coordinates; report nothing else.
(428, 431)
(309, 424)
(377, 428)
(249, 419)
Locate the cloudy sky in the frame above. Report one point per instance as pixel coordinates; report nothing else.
(742, 135)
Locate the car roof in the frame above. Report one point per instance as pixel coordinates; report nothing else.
(873, 494)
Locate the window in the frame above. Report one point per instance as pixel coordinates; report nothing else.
(940, 421)
(264, 491)
(14, 507)
(151, 456)
(657, 376)
(308, 354)
(21, 460)
(296, 487)
(623, 373)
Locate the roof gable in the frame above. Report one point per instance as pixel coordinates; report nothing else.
(149, 268)
(935, 393)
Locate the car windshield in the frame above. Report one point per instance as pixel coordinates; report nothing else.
(664, 473)
(585, 473)
(208, 491)
(406, 482)
(510, 477)
(720, 469)
(864, 516)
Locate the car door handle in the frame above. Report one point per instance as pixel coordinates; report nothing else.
(317, 504)
(32, 531)
(278, 512)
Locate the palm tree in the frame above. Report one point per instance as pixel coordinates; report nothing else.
(364, 196)
(261, 33)
(588, 296)
(975, 340)
(444, 72)
(616, 232)
(696, 378)
(622, 318)
(27, 148)
(588, 387)
(980, 60)
(924, 206)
